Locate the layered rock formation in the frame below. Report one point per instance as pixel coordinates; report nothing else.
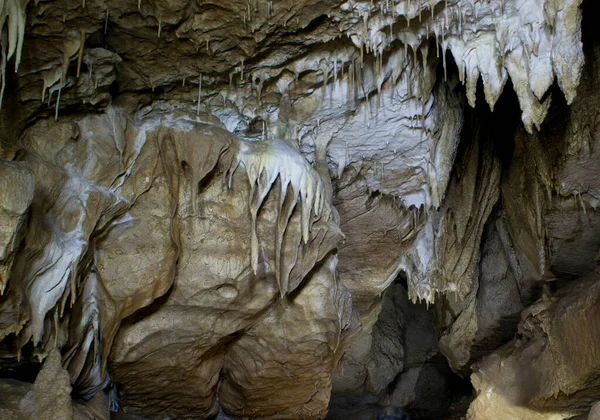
(248, 208)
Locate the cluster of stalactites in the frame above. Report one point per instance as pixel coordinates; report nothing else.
(265, 162)
(12, 14)
(529, 41)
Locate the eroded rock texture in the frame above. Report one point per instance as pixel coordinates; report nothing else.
(256, 208)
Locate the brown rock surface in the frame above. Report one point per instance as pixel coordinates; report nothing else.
(238, 208)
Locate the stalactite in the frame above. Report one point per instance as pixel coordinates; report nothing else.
(3, 57)
(12, 14)
(58, 99)
(199, 95)
(335, 78)
(362, 55)
(80, 54)
(444, 59)
(265, 162)
(351, 77)
(446, 13)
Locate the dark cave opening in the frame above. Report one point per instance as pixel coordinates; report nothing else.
(417, 380)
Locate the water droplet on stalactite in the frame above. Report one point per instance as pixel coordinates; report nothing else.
(199, 95)
(106, 22)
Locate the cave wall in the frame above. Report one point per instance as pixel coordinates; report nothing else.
(248, 209)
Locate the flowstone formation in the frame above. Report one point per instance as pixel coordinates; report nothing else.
(253, 208)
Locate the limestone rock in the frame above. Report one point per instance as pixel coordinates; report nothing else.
(202, 203)
(549, 370)
(17, 184)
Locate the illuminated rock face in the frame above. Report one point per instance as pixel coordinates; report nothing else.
(215, 205)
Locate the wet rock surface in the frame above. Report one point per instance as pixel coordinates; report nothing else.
(274, 209)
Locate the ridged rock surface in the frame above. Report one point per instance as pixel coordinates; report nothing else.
(255, 208)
